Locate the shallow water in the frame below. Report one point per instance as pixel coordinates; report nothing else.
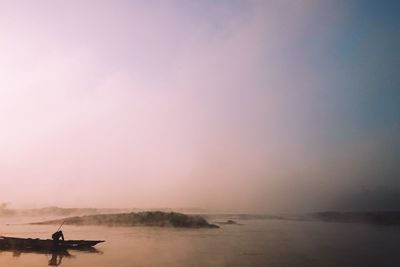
(255, 243)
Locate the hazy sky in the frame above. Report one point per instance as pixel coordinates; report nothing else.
(263, 106)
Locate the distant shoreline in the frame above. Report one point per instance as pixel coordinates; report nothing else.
(381, 218)
(147, 218)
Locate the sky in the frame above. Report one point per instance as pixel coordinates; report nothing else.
(245, 106)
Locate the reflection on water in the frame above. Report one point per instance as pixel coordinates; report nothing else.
(56, 256)
(56, 259)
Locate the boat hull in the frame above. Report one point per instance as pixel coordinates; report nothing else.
(45, 244)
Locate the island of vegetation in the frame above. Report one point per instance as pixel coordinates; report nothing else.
(148, 218)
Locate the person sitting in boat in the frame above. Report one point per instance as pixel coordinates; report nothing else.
(58, 235)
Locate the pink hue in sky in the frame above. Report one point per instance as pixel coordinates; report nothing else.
(162, 104)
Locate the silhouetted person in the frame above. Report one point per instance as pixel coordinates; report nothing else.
(57, 236)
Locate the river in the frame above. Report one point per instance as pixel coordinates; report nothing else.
(263, 243)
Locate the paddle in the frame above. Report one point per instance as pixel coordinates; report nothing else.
(60, 226)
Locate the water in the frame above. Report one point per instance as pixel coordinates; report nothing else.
(255, 243)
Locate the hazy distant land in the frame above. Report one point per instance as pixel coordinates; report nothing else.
(189, 217)
(53, 211)
(174, 219)
(148, 218)
(383, 218)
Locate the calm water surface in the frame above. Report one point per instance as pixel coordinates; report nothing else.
(255, 243)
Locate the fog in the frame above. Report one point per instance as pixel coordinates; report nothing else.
(247, 106)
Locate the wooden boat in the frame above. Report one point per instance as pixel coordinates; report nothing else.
(45, 244)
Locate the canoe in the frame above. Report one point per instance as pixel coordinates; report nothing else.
(45, 244)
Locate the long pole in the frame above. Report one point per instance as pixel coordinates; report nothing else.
(60, 226)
